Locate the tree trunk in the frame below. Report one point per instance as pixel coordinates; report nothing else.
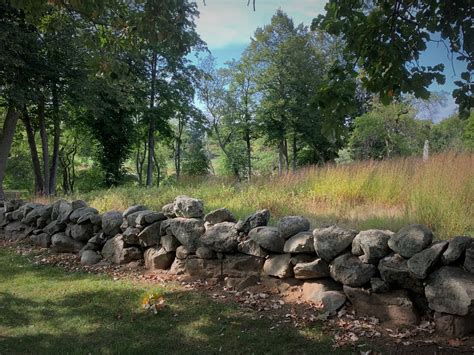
(44, 144)
(177, 155)
(294, 154)
(39, 185)
(281, 156)
(249, 154)
(151, 123)
(56, 142)
(6, 140)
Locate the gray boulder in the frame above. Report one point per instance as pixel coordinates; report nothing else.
(394, 306)
(371, 245)
(150, 235)
(250, 247)
(423, 262)
(82, 232)
(456, 248)
(76, 204)
(454, 326)
(54, 227)
(36, 213)
(205, 253)
(378, 285)
(411, 240)
(111, 222)
(331, 241)
(130, 236)
(218, 216)
(61, 209)
(42, 240)
(278, 266)
(133, 209)
(221, 237)
(90, 257)
(158, 259)
(114, 250)
(268, 238)
(182, 252)
(302, 242)
(349, 270)
(469, 259)
(81, 213)
(168, 210)
(312, 270)
(325, 293)
(188, 231)
(292, 225)
(258, 219)
(61, 243)
(188, 207)
(394, 270)
(169, 243)
(144, 218)
(451, 290)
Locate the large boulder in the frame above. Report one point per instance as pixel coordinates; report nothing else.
(143, 218)
(454, 326)
(82, 232)
(81, 213)
(150, 235)
(218, 216)
(451, 290)
(158, 259)
(38, 212)
(410, 240)
(469, 259)
(237, 265)
(456, 249)
(349, 270)
(130, 236)
(188, 207)
(42, 240)
(331, 241)
(257, 219)
(115, 251)
(302, 242)
(61, 210)
(111, 222)
(221, 237)
(169, 243)
(394, 306)
(168, 210)
(394, 270)
(250, 247)
(54, 227)
(371, 245)
(90, 257)
(61, 243)
(188, 231)
(133, 209)
(278, 266)
(205, 253)
(312, 270)
(325, 293)
(291, 225)
(423, 262)
(268, 238)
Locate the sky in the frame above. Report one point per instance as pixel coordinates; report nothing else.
(227, 26)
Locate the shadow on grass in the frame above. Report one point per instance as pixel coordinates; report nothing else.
(46, 310)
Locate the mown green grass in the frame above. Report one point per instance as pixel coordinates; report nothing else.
(47, 310)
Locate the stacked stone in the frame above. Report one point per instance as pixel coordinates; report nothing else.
(392, 276)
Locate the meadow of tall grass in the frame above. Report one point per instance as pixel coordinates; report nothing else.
(370, 194)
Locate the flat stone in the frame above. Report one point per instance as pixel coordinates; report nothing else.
(302, 242)
(292, 225)
(133, 209)
(218, 216)
(278, 266)
(158, 259)
(423, 262)
(312, 270)
(325, 293)
(410, 240)
(250, 247)
(331, 241)
(394, 306)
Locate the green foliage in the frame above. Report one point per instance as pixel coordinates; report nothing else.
(386, 38)
(195, 159)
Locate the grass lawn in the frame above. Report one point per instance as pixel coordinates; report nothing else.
(44, 309)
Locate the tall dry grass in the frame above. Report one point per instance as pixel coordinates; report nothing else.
(372, 194)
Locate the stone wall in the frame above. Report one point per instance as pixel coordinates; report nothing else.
(396, 277)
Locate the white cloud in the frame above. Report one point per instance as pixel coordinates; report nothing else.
(227, 22)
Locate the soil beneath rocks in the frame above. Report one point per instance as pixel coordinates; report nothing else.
(278, 300)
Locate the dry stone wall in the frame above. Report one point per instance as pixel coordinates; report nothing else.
(396, 277)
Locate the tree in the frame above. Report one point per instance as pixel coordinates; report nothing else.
(195, 159)
(384, 40)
